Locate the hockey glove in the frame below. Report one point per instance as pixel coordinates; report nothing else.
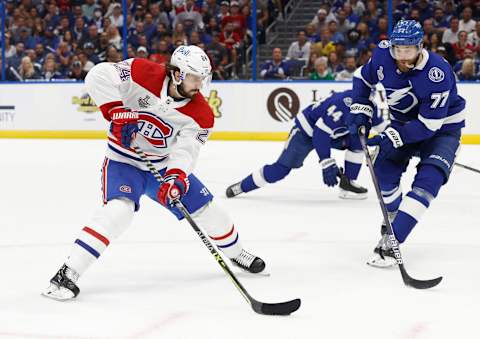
(124, 125)
(330, 171)
(360, 115)
(174, 187)
(387, 141)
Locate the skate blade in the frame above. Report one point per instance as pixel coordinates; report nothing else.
(379, 262)
(244, 273)
(352, 196)
(59, 294)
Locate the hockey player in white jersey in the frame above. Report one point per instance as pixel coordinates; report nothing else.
(161, 109)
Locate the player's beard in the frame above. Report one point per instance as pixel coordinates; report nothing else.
(190, 94)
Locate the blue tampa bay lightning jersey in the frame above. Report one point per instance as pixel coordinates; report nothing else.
(422, 101)
(324, 122)
(328, 115)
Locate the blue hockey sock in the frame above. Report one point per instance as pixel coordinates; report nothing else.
(353, 164)
(266, 175)
(425, 188)
(392, 196)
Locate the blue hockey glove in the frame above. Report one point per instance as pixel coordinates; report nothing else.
(360, 115)
(330, 171)
(387, 141)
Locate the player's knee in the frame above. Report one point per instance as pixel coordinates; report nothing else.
(430, 179)
(275, 172)
(114, 217)
(213, 218)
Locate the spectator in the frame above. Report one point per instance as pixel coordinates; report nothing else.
(97, 19)
(325, 45)
(334, 63)
(142, 53)
(50, 71)
(467, 24)
(92, 37)
(344, 24)
(40, 53)
(468, 54)
(440, 24)
(76, 71)
(336, 35)
(277, 68)
(87, 65)
(474, 38)
(381, 31)
(467, 72)
(238, 20)
(79, 30)
(353, 45)
(224, 12)
(89, 49)
(300, 49)
(460, 46)
(117, 16)
(358, 7)
(112, 54)
(27, 71)
(321, 70)
(450, 35)
(16, 59)
(88, 9)
(179, 34)
(231, 40)
(162, 55)
(218, 55)
(114, 37)
(311, 33)
(350, 67)
(320, 20)
(9, 49)
(190, 17)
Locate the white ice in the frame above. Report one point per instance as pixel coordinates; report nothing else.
(159, 281)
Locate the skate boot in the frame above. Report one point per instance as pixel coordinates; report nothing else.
(62, 285)
(234, 190)
(349, 189)
(391, 216)
(249, 262)
(383, 255)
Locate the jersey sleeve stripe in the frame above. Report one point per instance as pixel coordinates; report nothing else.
(305, 124)
(358, 74)
(321, 125)
(432, 124)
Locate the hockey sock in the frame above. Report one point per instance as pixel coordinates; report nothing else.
(107, 224)
(219, 228)
(353, 164)
(266, 175)
(425, 188)
(392, 197)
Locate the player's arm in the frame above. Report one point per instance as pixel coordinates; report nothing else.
(181, 161)
(321, 141)
(103, 83)
(362, 108)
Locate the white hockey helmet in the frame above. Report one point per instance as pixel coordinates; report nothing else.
(191, 60)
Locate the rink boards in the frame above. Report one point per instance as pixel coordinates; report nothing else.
(243, 110)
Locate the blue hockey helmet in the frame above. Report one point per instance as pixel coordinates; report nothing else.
(407, 32)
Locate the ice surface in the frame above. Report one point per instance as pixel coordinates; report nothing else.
(159, 281)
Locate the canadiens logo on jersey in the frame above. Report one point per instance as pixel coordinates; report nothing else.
(401, 100)
(154, 129)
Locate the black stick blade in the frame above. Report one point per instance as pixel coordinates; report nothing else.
(284, 308)
(418, 284)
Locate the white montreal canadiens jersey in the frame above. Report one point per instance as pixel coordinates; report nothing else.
(171, 132)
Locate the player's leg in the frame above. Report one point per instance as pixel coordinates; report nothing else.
(296, 149)
(389, 173)
(437, 159)
(348, 188)
(214, 220)
(122, 186)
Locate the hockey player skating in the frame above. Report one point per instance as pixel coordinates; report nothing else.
(426, 121)
(320, 126)
(162, 110)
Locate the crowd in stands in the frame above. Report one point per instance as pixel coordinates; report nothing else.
(64, 39)
(342, 35)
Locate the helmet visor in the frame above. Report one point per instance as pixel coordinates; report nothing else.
(197, 81)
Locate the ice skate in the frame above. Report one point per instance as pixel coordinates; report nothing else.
(234, 190)
(249, 262)
(383, 254)
(62, 285)
(349, 189)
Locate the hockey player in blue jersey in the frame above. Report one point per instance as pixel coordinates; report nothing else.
(426, 121)
(320, 126)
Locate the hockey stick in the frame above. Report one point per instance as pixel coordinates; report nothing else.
(284, 308)
(408, 280)
(468, 167)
